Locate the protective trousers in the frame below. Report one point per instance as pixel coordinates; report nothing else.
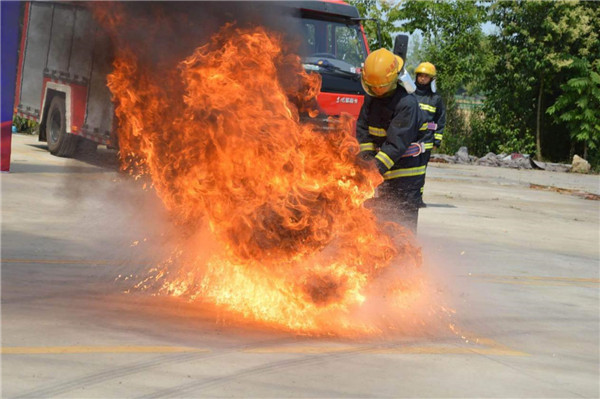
(398, 200)
(403, 197)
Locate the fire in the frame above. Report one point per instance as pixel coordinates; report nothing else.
(272, 208)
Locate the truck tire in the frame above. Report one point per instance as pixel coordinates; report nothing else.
(60, 143)
(86, 147)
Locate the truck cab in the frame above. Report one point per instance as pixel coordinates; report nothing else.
(335, 46)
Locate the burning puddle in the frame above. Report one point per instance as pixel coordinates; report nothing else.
(270, 210)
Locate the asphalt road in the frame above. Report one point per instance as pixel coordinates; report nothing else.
(518, 266)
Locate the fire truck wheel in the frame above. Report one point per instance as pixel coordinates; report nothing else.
(86, 147)
(60, 143)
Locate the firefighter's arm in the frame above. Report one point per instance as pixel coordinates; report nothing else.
(440, 120)
(403, 131)
(367, 146)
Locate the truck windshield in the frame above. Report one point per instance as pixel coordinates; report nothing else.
(333, 44)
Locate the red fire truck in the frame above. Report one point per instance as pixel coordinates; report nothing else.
(65, 57)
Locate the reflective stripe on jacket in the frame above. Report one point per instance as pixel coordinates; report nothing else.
(386, 127)
(433, 107)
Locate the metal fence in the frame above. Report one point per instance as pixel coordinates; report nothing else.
(469, 103)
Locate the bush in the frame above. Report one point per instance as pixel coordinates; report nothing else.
(466, 129)
(24, 125)
(482, 134)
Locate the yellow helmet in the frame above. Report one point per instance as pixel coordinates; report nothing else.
(427, 68)
(380, 74)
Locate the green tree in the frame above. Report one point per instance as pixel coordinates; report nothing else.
(579, 106)
(536, 44)
(379, 10)
(453, 40)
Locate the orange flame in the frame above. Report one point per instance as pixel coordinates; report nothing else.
(273, 207)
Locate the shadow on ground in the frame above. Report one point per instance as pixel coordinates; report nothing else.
(101, 157)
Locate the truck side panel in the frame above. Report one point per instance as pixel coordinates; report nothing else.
(99, 112)
(34, 59)
(80, 63)
(61, 38)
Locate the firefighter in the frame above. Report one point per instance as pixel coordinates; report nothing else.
(433, 107)
(388, 130)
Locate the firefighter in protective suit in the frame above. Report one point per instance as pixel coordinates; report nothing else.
(390, 129)
(432, 106)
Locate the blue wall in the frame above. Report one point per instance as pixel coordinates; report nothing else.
(10, 12)
(10, 46)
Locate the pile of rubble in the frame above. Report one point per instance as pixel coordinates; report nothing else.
(514, 160)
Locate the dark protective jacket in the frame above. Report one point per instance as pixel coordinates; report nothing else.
(433, 107)
(386, 127)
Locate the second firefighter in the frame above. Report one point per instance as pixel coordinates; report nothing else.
(433, 108)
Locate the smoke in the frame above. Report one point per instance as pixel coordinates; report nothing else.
(161, 34)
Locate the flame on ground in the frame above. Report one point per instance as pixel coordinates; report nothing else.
(272, 208)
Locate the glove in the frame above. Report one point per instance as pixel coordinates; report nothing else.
(437, 143)
(364, 159)
(367, 155)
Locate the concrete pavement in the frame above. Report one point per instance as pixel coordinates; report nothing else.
(518, 265)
